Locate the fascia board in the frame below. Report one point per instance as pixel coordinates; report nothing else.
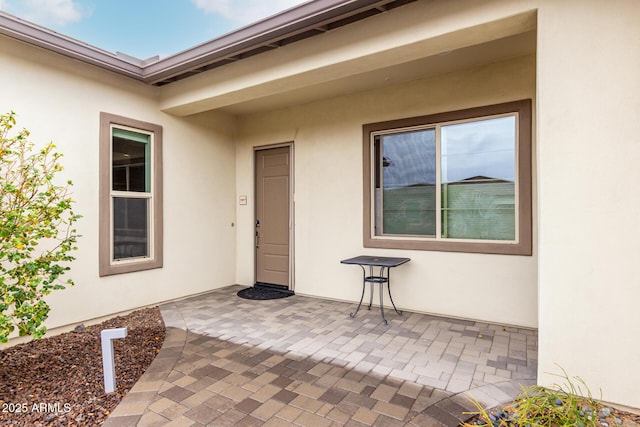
(295, 20)
(24, 31)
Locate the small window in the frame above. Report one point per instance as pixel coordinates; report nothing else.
(130, 195)
(458, 181)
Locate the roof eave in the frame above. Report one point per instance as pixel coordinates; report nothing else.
(265, 33)
(296, 23)
(14, 27)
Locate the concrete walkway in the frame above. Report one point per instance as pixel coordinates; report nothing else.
(303, 361)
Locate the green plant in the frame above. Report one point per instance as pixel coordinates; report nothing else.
(567, 404)
(36, 230)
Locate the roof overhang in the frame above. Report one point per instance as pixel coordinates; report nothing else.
(298, 23)
(25, 31)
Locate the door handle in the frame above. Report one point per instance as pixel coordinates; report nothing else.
(257, 233)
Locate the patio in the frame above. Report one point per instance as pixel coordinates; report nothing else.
(303, 361)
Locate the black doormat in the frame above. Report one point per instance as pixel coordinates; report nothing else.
(261, 292)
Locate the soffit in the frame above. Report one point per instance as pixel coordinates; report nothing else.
(485, 53)
(360, 57)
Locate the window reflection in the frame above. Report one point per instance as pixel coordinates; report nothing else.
(130, 161)
(478, 179)
(406, 193)
(477, 198)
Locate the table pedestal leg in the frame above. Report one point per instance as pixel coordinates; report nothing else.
(381, 303)
(392, 303)
(360, 303)
(370, 288)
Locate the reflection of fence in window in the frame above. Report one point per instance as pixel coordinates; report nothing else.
(409, 210)
(479, 210)
(451, 177)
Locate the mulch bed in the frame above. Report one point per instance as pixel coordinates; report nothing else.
(58, 381)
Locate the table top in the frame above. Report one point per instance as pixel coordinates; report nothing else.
(376, 261)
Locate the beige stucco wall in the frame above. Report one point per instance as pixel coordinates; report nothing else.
(580, 287)
(583, 273)
(60, 100)
(328, 180)
(589, 151)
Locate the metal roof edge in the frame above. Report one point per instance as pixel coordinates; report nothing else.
(294, 20)
(34, 34)
(254, 38)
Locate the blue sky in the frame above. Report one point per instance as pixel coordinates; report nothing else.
(144, 28)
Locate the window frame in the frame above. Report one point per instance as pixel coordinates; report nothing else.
(524, 226)
(107, 265)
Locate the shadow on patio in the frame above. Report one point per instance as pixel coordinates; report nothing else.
(303, 361)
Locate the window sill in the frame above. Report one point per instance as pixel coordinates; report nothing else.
(519, 248)
(129, 267)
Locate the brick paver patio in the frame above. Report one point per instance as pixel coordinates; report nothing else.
(303, 361)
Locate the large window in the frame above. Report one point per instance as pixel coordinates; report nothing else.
(457, 181)
(130, 195)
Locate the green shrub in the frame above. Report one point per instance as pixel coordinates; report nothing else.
(36, 231)
(567, 404)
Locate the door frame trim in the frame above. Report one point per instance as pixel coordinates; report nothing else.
(292, 222)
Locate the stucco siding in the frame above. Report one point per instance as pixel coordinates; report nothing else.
(588, 127)
(327, 138)
(582, 276)
(60, 100)
(578, 62)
